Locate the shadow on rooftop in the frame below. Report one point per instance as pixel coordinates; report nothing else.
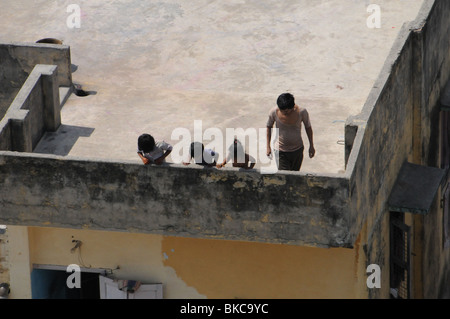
(62, 141)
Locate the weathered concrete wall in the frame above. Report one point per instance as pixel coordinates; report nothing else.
(433, 37)
(5, 135)
(17, 60)
(29, 92)
(27, 55)
(35, 109)
(173, 200)
(397, 125)
(383, 140)
(385, 145)
(11, 79)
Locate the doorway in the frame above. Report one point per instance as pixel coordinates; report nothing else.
(52, 284)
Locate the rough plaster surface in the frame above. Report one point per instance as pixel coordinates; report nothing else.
(172, 200)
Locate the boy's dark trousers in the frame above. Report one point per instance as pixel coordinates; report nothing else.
(290, 161)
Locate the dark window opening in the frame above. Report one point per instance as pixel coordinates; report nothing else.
(399, 257)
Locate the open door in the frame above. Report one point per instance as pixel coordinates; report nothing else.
(110, 290)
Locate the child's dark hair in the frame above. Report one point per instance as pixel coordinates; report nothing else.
(285, 101)
(197, 148)
(146, 143)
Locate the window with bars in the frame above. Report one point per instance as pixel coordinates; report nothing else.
(399, 257)
(445, 204)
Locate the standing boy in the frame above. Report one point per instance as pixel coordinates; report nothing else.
(288, 118)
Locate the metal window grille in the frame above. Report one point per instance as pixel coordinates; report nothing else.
(445, 202)
(399, 257)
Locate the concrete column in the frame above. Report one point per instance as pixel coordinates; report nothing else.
(50, 93)
(19, 262)
(21, 132)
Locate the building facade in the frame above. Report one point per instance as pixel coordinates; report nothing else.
(378, 230)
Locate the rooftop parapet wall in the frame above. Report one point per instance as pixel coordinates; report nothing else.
(17, 60)
(47, 190)
(35, 109)
(383, 141)
(432, 33)
(27, 55)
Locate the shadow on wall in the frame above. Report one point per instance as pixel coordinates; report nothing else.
(62, 141)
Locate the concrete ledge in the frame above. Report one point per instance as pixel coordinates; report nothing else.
(48, 190)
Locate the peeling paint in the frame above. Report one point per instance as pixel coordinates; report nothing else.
(201, 260)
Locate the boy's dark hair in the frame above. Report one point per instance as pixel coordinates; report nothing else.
(285, 101)
(197, 148)
(146, 143)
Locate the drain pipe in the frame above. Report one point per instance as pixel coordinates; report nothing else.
(78, 90)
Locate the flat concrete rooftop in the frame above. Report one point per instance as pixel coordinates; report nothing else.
(156, 66)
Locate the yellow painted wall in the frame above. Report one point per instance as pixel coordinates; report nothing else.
(139, 256)
(228, 269)
(199, 268)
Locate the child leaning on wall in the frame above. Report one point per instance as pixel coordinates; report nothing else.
(201, 155)
(152, 152)
(240, 159)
